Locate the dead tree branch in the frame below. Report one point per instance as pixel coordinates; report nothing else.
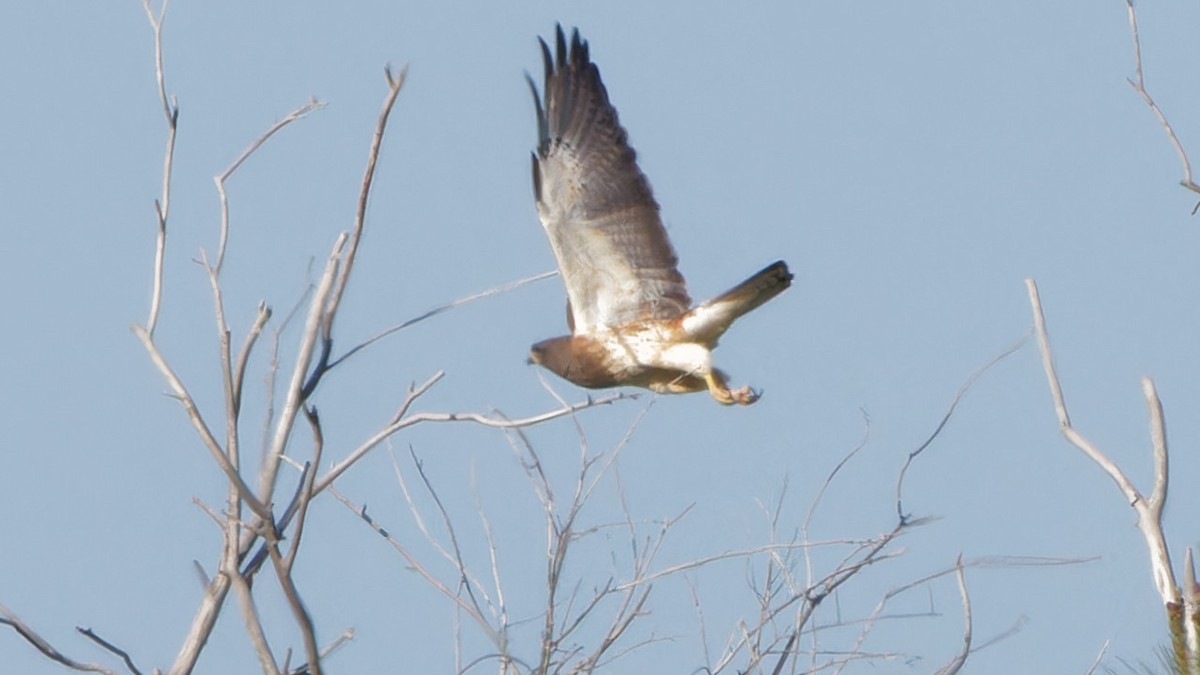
(1150, 510)
(960, 659)
(223, 177)
(1180, 604)
(162, 207)
(1139, 86)
(7, 617)
(958, 397)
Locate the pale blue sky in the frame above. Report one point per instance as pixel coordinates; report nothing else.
(913, 162)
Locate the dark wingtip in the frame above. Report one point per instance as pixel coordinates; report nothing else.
(542, 128)
(579, 49)
(560, 45)
(779, 270)
(547, 61)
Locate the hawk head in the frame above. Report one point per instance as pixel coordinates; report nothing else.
(576, 358)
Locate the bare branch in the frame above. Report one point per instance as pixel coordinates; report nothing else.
(7, 617)
(414, 392)
(395, 83)
(310, 106)
(338, 642)
(506, 423)
(1149, 513)
(201, 427)
(91, 635)
(303, 619)
(467, 580)
(986, 561)
(726, 555)
(305, 492)
(239, 368)
(1099, 658)
(501, 607)
(958, 397)
(401, 422)
(1158, 441)
(416, 565)
(1139, 85)
(957, 662)
(294, 397)
(865, 554)
(695, 595)
(202, 625)
(162, 207)
(254, 628)
(1131, 493)
(503, 288)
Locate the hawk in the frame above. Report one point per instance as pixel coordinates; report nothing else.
(628, 310)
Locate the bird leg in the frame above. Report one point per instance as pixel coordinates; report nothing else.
(726, 396)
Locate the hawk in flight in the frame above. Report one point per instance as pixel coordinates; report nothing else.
(628, 310)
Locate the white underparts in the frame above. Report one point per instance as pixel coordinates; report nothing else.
(651, 347)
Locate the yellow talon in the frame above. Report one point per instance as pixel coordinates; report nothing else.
(724, 395)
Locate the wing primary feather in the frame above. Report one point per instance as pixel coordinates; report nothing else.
(543, 130)
(547, 62)
(579, 51)
(537, 177)
(560, 43)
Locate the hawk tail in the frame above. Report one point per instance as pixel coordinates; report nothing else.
(707, 322)
(755, 291)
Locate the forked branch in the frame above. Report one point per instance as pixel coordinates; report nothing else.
(1180, 604)
(1149, 510)
(7, 617)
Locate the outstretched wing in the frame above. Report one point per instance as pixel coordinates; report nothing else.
(596, 206)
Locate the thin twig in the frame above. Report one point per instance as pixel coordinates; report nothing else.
(7, 617)
(416, 565)
(334, 645)
(958, 397)
(809, 572)
(401, 421)
(477, 418)
(500, 607)
(726, 555)
(395, 83)
(986, 561)
(866, 555)
(1139, 85)
(960, 659)
(220, 179)
(91, 635)
(468, 581)
(162, 206)
(1099, 658)
(503, 288)
(338, 642)
(239, 368)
